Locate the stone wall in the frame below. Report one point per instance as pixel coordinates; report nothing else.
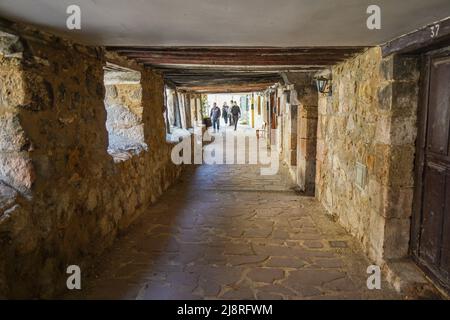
(62, 198)
(370, 119)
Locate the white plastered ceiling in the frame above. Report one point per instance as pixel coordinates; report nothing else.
(228, 22)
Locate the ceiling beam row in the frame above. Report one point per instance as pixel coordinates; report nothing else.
(232, 68)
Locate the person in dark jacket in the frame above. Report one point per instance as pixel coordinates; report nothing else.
(215, 116)
(225, 112)
(236, 114)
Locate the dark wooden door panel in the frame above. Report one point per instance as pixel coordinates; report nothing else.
(439, 107)
(273, 113)
(433, 212)
(445, 254)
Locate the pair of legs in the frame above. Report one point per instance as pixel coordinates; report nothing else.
(216, 124)
(225, 119)
(235, 121)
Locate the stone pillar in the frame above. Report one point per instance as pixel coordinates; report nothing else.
(182, 110)
(398, 100)
(171, 109)
(325, 103)
(292, 139)
(279, 135)
(193, 108)
(306, 140)
(306, 152)
(198, 101)
(187, 105)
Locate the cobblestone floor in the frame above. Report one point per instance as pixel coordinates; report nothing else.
(226, 232)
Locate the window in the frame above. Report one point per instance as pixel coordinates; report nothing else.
(123, 103)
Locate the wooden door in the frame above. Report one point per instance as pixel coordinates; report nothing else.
(273, 111)
(433, 250)
(259, 105)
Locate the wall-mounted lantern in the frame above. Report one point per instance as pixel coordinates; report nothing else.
(323, 85)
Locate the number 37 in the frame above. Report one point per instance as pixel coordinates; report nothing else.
(434, 30)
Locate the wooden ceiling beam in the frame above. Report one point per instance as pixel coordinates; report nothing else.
(220, 75)
(228, 88)
(257, 55)
(282, 60)
(218, 81)
(247, 69)
(237, 63)
(237, 50)
(238, 55)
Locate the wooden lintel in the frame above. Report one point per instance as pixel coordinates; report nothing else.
(431, 36)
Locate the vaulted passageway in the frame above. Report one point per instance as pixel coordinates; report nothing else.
(226, 231)
(98, 125)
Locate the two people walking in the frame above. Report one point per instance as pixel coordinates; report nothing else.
(230, 115)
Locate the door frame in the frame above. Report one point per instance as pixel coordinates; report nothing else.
(419, 166)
